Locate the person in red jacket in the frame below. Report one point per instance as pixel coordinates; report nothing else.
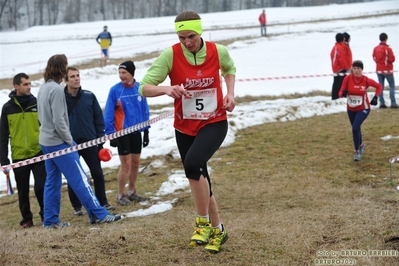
(384, 58)
(348, 51)
(354, 87)
(262, 21)
(339, 63)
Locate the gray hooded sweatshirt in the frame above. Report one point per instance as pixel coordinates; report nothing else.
(53, 115)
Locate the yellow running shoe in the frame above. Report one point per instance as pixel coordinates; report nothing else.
(202, 232)
(218, 238)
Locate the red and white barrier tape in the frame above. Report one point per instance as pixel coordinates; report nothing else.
(88, 143)
(308, 76)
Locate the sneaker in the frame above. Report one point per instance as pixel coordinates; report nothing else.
(218, 239)
(124, 201)
(394, 105)
(57, 225)
(110, 218)
(78, 212)
(356, 156)
(136, 198)
(27, 224)
(109, 207)
(362, 148)
(202, 232)
(383, 105)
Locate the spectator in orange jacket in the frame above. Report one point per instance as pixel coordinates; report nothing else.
(262, 20)
(384, 58)
(339, 64)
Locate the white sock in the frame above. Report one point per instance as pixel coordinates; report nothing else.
(219, 226)
(131, 192)
(207, 217)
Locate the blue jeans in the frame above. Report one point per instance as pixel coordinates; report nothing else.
(357, 119)
(68, 165)
(391, 82)
(263, 29)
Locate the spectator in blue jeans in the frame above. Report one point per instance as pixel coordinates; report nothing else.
(55, 135)
(383, 57)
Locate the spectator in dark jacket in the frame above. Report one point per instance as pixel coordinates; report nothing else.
(19, 124)
(86, 123)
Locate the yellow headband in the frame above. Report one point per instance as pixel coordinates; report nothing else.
(194, 25)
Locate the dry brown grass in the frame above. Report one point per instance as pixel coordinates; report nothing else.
(286, 191)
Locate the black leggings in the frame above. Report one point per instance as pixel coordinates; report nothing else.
(195, 151)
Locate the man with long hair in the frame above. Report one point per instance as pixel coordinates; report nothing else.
(54, 136)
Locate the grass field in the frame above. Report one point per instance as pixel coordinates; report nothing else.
(288, 193)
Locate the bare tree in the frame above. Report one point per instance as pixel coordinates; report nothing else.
(102, 9)
(52, 11)
(25, 13)
(91, 6)
(78, 7)
(3, 5)
(40, 8)
(113, 8)
(13, 13)
(170, 8)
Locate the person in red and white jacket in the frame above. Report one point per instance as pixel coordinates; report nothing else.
(383, 56)
(355, 87)
(262, 21)
(339, 64)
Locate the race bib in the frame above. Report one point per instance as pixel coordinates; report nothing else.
(355, 100)
(200, 104)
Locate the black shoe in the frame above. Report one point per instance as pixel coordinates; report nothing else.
(136, 198)
(110, 218)
(27, 224)
(78, 212)
(383, 105)
(394, 105)
(109, 207)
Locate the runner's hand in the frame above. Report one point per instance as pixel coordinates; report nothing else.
(175, 91)
(374, 101)
(228, 103)
(113, 142)
(146, 139)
